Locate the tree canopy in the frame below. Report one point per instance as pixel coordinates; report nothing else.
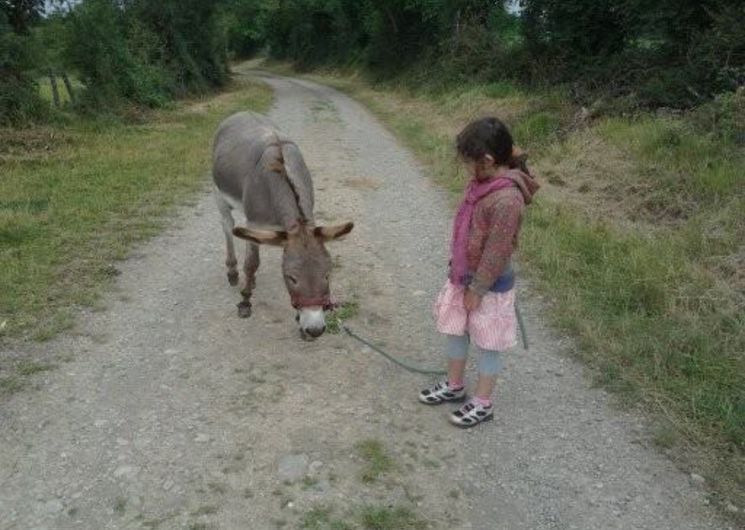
(670, 53)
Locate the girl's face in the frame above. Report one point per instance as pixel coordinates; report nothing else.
(483, 169)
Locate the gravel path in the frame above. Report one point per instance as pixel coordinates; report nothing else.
(171, 412)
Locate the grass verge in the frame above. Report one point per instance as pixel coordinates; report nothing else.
(74, 199)
(637, 236)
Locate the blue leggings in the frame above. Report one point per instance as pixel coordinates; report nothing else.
(490, 362)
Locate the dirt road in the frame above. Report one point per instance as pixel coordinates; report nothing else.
(170, 412)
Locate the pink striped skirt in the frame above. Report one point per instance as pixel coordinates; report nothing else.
(493, 326)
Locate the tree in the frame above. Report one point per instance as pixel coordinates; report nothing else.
(669, 52)
(146, 52)
(245, 23)
(19, 96)
(20, 14)
(192, 37)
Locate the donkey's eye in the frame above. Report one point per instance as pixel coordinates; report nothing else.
(291, 279)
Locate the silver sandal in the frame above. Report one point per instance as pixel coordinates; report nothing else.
(440, 393)
(471, 414)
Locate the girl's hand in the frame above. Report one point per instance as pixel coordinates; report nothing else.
(471, 300)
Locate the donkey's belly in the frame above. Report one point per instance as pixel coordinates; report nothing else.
(234, 203)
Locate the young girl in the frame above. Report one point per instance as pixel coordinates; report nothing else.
(477, 304)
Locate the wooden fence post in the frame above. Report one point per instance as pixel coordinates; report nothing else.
(55, 92)
(68, 86)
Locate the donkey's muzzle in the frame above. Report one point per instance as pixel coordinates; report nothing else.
(316, 332)
(311, 322)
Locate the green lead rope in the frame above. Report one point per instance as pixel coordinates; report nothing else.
(426, 371)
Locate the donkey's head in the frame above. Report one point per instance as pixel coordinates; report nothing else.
(306, 267)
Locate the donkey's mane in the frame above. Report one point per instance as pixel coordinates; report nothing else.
(278, 166)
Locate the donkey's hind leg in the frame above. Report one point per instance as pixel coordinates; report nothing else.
(227, 226)
(250, 266)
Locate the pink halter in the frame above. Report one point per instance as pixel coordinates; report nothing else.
(300, 302)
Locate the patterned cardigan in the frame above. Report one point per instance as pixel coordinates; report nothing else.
(493, 236)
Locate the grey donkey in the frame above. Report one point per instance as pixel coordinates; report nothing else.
(260, 172)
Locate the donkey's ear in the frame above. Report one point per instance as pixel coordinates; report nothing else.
(329, 233)
(261, 237)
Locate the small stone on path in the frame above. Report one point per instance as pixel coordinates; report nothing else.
(53, 506)
(315, 467)
(697, 479)
(292, 467)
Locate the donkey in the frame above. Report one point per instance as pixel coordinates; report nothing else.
(258, 170)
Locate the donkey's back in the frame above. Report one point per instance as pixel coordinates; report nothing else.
(239, 144)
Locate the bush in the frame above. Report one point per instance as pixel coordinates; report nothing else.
(20, 102)
(145, 53)
(193, 41)
(675, 53)
(724, 117)
(99, 48)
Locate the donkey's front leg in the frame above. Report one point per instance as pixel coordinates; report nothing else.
(227, 226)
(250, 266)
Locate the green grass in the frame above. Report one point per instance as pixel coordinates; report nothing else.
(377, 462)
(399, 518)
(367, 518)
(9, 384)
(320, 518)
(336, 318)
(74, 199)
(120, 505)
(14, 375)
(27, 368)
(308, 482)
(207, 509)
(685, 164)
(637, 236)
(45, 89)
(655, 325)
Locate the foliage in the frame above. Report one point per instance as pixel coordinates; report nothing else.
(244, 23)
(115, 57)
(193, 41)
(21, 14)
(146, 52)
(19, 99)
(670, 53)
(125, 52)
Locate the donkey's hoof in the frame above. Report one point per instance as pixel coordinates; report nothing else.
(244, 309)
(233, 278)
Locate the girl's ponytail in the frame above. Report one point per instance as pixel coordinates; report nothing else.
(519, 160)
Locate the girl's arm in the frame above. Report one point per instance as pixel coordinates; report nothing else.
(501, 222)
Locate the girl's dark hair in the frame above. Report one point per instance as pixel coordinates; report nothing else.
(486, 136)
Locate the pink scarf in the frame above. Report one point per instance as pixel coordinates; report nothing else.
(475, 191)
